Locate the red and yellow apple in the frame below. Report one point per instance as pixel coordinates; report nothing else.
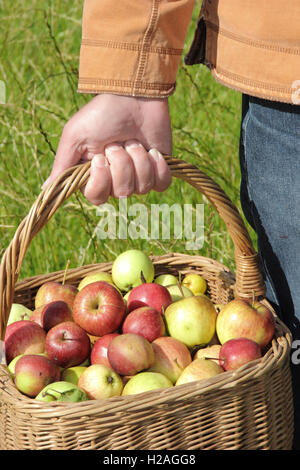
(130, 353)
(67, 344)
(243, 319)
(53, 290)
(99, 308)
(145, 321)
(171, 357)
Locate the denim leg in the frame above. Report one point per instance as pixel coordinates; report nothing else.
(270, 198)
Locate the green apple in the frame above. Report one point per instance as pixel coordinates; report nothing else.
(62, 391)
(145, 382)
(166, 279)
(178, 293)
(18, 312)
(192, 320)
(95, 277)
(131, 268)
(12, 365)
(196, 283)
(199, 369)
(72, 374)
(100, 382)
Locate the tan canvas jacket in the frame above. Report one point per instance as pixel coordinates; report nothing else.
(134, 47)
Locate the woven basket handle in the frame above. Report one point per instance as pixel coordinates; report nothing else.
(249, 281)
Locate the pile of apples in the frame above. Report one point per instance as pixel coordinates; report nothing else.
(129, 332)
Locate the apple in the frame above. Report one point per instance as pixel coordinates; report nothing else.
(72, 374)
(145, 382)
(62, 391)
(67, 344)
(100, 382)
(12, 365)
(191, 320)
(36, 316)
(243, 319)
(99, 349)
(196, 283)
(95, 277)
(99, 308)
(18, 312)
(51, 314)
(145, 321)
(53, 290)
(166, 279)
(178, 293)
(33, 372)
(130, 353)
(23, 337)
(236, 352)
(210, 352)
(149, 294)
(171, 357)
(199, 369)
(131, 268)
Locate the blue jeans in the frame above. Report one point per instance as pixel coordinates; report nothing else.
(270, 198)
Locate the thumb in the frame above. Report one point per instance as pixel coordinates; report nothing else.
(67, 155)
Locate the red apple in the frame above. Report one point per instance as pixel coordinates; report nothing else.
(36, 316)
(242, 319)
(145, 321)
(171, 357)
(33, 373)
(99, 308)
(24, 337)
(52, 290)
(130, 353)
(67, 344)
(149, 294)
(51, 314)
(99, 349)
(234, 353)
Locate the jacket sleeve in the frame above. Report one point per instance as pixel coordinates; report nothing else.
(132, 47)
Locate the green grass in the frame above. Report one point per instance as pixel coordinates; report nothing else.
(39, 51)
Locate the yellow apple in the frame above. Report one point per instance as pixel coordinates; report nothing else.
(199, 369)
(209, 352)
(196, 283)
(191, 320)
(95, 277)
(146, 381)
(178, 293)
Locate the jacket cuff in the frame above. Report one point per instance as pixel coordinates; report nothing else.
(134, 48)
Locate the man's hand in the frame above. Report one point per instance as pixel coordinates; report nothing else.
(123, 136)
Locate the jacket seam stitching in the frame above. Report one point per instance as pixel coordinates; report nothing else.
(251, 42)
(142, 60)
(254, 83)
(124, 83)
(130, 46)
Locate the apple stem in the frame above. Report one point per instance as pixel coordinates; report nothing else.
(180, 289)
(65, 273)
(143, 278)
(214, 358)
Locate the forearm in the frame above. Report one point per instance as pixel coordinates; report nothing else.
(132, 48)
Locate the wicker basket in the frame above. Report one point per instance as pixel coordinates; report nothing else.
(250, 408)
